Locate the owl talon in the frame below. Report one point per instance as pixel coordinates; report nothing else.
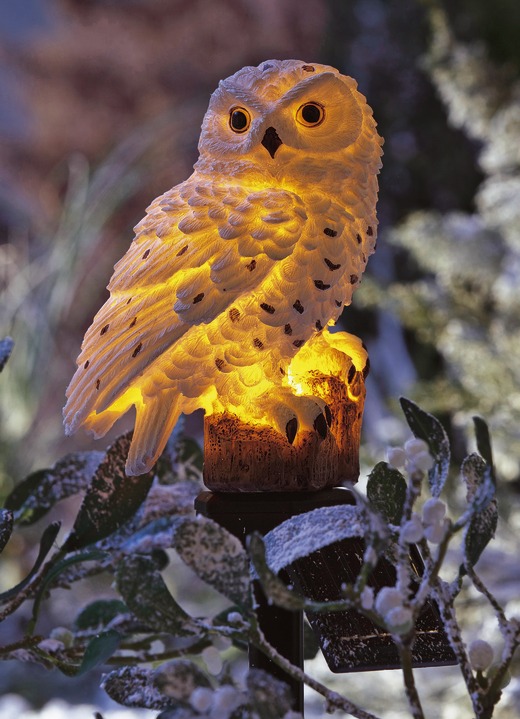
(291, 428)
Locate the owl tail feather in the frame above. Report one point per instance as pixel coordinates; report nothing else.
(155, 421)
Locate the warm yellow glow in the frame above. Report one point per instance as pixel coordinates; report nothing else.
(293, 381)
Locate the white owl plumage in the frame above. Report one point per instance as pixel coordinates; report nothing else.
(231, 272)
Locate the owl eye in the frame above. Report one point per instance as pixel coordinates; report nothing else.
(311, 114)
(239, 119)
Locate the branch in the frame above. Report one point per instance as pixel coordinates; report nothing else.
(334, 700)
(414, 702)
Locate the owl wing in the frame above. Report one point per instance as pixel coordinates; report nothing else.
(199, 247)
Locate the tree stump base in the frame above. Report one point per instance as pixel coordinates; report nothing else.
(240, 457)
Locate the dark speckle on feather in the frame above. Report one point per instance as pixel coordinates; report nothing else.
(198, 298)
(137, 349)
(268, 308)
(146, 254)
(331, 265)
(104, 329)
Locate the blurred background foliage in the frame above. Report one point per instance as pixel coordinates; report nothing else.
(101, 103)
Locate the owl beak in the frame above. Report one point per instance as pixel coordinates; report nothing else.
(271, 141)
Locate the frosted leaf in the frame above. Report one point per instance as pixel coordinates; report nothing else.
(111, 499)
(134, 687)
(216, 556)
(146, 594)
(386, 492)
(269, 696)
(178, 679)
(427, 428)
(40, 491)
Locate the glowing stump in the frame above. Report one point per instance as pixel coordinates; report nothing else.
(248, 457)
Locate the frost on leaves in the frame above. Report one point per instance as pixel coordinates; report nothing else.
(216, 556)
(112, 498)
(480, 495)
(146, 595)
(386, 491)
(134, 687)
(426, 427)
(40, 491)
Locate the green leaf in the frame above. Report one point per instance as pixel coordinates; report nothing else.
(426, 427)
(273, 586)
(40, 491)
(55, 572)
(112, 498)
(178, 678)
(134, 687)
(99, 650)
(386, 492)
(147, 596)
(216, 556)
(6, 527)
(99, 614)
(46, 543)
(6, 347)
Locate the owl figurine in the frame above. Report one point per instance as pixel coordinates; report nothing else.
(238, 267)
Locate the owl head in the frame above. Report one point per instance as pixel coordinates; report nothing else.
(272, 118)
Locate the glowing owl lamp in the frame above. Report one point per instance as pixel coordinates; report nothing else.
(225, 297)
